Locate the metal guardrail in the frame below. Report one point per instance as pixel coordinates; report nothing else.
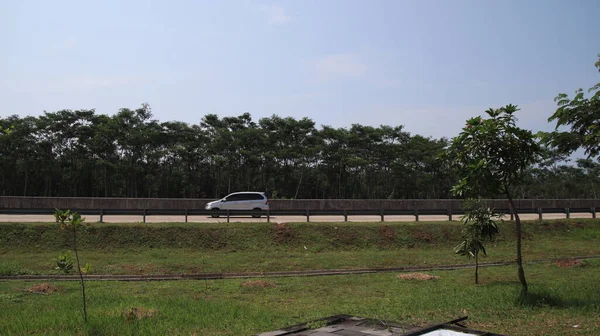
(305, 213)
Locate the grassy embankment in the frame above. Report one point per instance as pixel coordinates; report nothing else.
(564, 301)
(256, 247)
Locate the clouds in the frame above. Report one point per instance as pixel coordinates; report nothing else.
(275, 14)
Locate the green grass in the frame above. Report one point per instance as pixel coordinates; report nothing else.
(560, 298)
(260, 247)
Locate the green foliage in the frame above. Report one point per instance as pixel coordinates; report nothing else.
(130, 154)
(68, 220)
(64, 262)
(479, 226)
(73, 222)
(87, 269)
(490, 155)
(479, 220)
(6, 131)
(582, 116)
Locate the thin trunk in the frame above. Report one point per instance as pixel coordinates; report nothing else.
(521, 272)
(26, 178)
(105, 182)
(80, 274)
(299, 183)
(476, 267)
(135, 185)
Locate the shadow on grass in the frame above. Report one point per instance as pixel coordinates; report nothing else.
(542, 298)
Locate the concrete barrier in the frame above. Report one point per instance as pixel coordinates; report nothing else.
(27, 202)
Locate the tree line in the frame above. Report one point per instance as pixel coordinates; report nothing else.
(130, 154)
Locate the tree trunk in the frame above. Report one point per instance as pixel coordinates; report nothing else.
(477, 268)
(80, 274)
(105, 182)
(26, 178)
(299, 183)
(519, 256)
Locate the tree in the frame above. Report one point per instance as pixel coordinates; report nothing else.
(129, 154)
(479, 227)
(582, 116)
(490, 157)
(6, 131)
(73, 222)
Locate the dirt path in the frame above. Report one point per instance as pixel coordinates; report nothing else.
(215, 276)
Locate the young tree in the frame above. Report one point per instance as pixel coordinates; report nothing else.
(73, 222)
(582, 115)
(479, 227)
(490, 156)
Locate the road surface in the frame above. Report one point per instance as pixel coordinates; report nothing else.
(274, 219)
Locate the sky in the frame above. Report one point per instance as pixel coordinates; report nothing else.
(426, 64)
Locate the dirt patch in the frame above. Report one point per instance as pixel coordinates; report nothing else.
(423, 236)
(571, 263)
(258, 283)
(133, 268)
(283, 233)
(578, 225)
(43, 288)
(138, 313)
(417, 276)
(387, 232)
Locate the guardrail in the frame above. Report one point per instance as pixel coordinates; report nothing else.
(305, 213)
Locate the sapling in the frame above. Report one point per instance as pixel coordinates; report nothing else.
(73, 222)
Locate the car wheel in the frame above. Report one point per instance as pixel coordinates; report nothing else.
(256, 213)
(215, 213)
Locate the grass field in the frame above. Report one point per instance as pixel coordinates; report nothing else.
(563, 300)
(261, 247)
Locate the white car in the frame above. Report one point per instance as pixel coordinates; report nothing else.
(244, 200)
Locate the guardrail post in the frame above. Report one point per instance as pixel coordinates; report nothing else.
(593, 211)
(227, 215)
(450, 215)
(346, 216)
(186, 215)
(144, 215)
(568, 212)
(101, 215)
(539, 210)
(381, 215)
(307, 215)
(416, 215)
(269, 216)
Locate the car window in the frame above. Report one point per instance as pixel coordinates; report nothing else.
(251, 197)
(236, 197)
(256, 197)
(246, 197)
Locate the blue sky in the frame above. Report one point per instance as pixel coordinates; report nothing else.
(428, 65)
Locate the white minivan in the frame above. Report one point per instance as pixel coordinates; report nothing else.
(243, 200)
